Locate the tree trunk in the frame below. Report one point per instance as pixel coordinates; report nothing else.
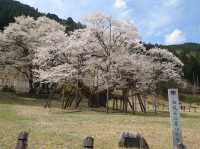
(30, 79)
(125, 100)
(97, 100)
(93, 101)
(133, 101)
(107, 97)
(31, 88)
(102, 99)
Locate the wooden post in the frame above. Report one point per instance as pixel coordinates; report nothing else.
(189, 107)
(22, 141)
(113, 104)
(163, 107)
(121, 104)
(181, 146)
(88, 143)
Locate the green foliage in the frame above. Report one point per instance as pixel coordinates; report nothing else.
(9, 9)
(69, 89)
(190, 98)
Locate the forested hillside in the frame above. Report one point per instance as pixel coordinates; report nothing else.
(10, 9)
(189, 53)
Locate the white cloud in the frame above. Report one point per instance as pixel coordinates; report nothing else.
(29, 2)
(172, 3)
(176, 37)
(121, 4)
(156, 21)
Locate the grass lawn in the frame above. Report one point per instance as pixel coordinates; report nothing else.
(57, 129)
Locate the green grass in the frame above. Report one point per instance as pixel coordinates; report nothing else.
(57, 129)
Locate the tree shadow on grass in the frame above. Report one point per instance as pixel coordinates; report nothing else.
(14, 99)
(148, 114)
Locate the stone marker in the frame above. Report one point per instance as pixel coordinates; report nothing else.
(22, 141)
(88, 143)
(174, 109)
(130, 140)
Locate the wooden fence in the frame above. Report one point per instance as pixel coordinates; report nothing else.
(127, 140)
(183, 108)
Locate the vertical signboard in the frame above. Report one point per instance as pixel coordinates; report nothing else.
(174, 109)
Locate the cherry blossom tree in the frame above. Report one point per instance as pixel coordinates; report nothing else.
(107, 54)
(102, 46)
(70, 62)
(26, 38)
(165, 67)
(114, 38)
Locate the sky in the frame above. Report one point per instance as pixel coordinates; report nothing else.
(158, 21)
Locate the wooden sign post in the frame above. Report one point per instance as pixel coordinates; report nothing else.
(174, 109)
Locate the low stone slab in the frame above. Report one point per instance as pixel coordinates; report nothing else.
(131, 140)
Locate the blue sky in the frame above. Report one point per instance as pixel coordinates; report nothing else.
(158, 21)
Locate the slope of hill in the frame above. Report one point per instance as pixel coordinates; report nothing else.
(186, 47)
(10, 9)
(189, 53)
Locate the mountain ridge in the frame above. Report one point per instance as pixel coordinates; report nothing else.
(9, 9)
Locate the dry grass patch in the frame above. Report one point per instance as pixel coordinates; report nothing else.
(57, 129)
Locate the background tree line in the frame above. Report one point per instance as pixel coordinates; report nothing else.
(9, 9)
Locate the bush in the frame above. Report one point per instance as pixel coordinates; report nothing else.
(8, 89)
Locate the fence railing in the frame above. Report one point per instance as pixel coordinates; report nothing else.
(183, 107)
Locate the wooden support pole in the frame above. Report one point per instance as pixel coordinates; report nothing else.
(132, 106)
(133, 102)
(141, 103)
(121, 104)
(117, 104)
(135, 98)
(195, 109)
